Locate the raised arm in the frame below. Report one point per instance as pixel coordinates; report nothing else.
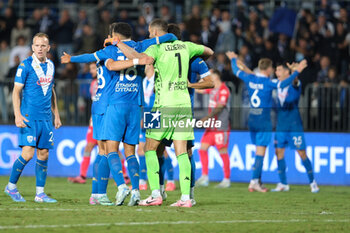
(299, 68)
(84, 58)
(236, 69)
(54, 109)
(130, 52)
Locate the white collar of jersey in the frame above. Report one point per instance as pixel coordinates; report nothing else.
(37, 60)
(282, 94)
(44, 79)
(258, 74)
(126, 40)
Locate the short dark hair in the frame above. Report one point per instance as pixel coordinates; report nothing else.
(123, 29)
(160, 24)
(173, 28)
(284, 65)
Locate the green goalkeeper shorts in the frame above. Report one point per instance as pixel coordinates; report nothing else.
(176, 123)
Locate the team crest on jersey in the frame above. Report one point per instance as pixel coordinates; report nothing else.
(30, 139)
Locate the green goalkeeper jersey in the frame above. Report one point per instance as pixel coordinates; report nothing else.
(172, 65)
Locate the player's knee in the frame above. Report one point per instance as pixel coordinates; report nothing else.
(43, 154)
(302, 154)
(28, 153)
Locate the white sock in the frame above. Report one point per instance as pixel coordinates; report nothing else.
(255, 180)
(39, 190)
(122, 186)
(156, 193)
(162, 189)
(170, 181)
(11, 186)
(226, 180)
(185, 197)
(143, 182)
(192, 193)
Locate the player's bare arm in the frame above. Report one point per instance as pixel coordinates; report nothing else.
(215, 112)
(16, 101)
(121, 65)
(240, 64)
(55, 111)
(208, 52)
(204, 83)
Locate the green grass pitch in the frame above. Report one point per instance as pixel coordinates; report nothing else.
(217, 210)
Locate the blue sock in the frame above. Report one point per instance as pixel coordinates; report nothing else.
(169, 168)
(103, 175)
(257, 168)
(40, 172)
(134, 170)
(17, 169)
(116, 168)
(162, 168)
(193, 171)
(282, 170)
(143, 169)
(95, 174)
(308, 167)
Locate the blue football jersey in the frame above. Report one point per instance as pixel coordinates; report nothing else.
(37, 80)
(104, 89)
(149, 95)
(288, 116)
(260, 92)
(127, 83)
(197, 67)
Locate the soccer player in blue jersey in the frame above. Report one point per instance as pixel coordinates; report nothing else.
(289, 129)
(260, 93)
(34, 79)
(117, 92)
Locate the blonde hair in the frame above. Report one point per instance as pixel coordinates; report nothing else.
(41, 35)
(264, 63)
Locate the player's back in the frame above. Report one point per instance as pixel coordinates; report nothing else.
(260, 95)
(172, 63)
(288, 116)
(104, 88)
(37, 91)
(127, 83)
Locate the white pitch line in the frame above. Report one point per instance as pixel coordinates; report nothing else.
(168, 223)
(169, 210)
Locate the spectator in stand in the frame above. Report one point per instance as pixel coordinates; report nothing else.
(342, 50)
(226, 39)
(124, 18)
(34, 21)
(270, 51)
(331, 79)
(283, 47)
(20, 30)
(22, 50)
(4, 67)
(4, 59)
(69, 75)
(322, 74)
(302, 50)
(245, 56)
(315, 37)
(89, 42)
(344, 19)
(209, 37)
(82, 21)
(105, 20)
(166, 15)
(148, 12)
(141, 30)
(64, 34)
(215, 19)
(47, 22)
(194, 20)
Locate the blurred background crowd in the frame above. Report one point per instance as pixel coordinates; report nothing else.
(318, 31)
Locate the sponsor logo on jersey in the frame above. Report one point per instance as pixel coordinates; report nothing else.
(43, 81)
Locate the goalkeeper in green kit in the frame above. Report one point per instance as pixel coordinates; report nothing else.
(172, 108)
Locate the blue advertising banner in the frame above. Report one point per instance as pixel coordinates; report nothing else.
(329, 153)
